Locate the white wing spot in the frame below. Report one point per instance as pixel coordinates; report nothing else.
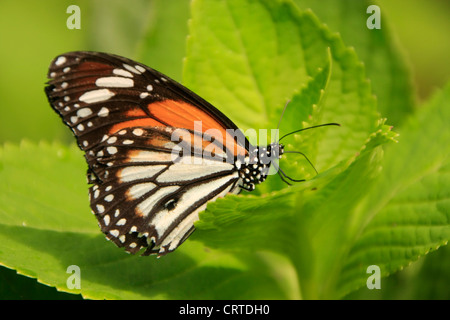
(124, 73)
(66, 69)
(140, 68)
(143, 95)
(104, 112)
(64, 85)
(130, 68)
(138, 132)
(73, 119)
(61, 60)
(96, 96)
(66, 98)
(122, 238)
(128, 141)
(114, 82)
(100, 208)
(114, 233)
(121, 222)
(80, 127)
(83, 113)
(111, 150)
(109, 198)
(112, 140)
(149, 87)
(106, 220)
(116, 213)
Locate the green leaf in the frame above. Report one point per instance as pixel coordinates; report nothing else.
(385, 63)
(225, 65)
(408, 213)
(304, 222)
(425, 279)
(25, 174)
(324, 281)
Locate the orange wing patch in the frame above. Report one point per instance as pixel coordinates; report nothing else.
(180, 114)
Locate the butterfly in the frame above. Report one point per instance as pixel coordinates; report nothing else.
(157, 153)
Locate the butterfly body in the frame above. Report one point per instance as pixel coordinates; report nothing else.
(151, 169)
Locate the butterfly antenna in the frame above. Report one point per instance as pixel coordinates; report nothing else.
(304, 155)
(284, 175)
(279, 173)
(283, 179)
(320, 125)
(301, 153)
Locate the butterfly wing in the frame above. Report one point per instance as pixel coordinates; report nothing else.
(95, 92)
(147, 190)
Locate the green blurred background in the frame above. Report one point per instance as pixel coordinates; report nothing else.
(154, 32)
